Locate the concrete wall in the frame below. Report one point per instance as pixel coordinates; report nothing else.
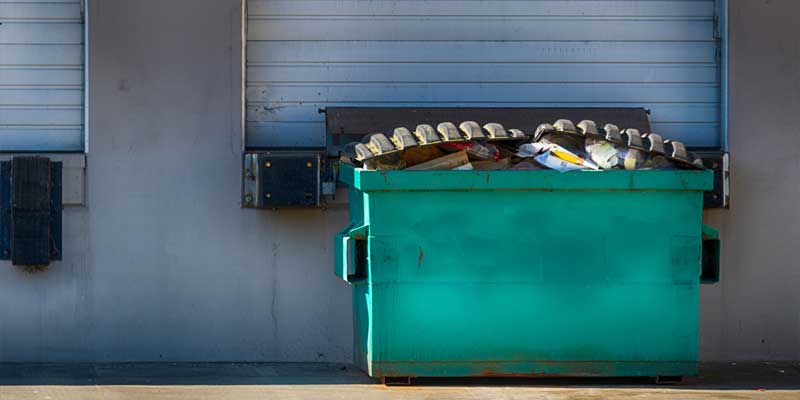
(162, 264)
(754, 314)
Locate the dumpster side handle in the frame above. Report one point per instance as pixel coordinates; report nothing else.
(712, 253)
(351, 253)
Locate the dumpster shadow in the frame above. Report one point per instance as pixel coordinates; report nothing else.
(712, 376)
(718, 377)
(536, 382)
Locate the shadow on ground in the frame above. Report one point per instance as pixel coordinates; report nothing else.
(752, 376)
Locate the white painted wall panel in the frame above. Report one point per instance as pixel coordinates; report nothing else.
(307, 54)
(41, 75)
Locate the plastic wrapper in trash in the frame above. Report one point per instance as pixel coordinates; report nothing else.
(555, 157)
(631, 159)
(565, 140)
(506, 151)
(484, 152)
(602, 153)
(658, 161)
(530, 150)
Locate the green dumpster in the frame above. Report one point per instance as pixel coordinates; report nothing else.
(524, 273)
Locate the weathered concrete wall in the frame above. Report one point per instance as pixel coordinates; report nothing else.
(162, 264)
(754, 314)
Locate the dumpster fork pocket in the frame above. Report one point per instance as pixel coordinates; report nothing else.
(712, 254)
(351, 253)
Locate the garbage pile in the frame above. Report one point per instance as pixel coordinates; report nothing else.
(562, 146)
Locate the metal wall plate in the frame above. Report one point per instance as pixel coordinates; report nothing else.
(282, 179)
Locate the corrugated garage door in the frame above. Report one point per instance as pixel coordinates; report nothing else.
(41, 75)
(306, 54)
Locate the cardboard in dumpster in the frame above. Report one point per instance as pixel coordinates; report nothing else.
(475, 150)
(422, 154)
(504, 163)
(450, 161)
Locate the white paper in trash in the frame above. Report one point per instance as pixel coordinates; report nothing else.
(550, 161)
(547, 154)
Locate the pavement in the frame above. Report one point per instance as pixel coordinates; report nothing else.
(731, 381)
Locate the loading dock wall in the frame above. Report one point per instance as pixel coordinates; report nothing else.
(162, 264)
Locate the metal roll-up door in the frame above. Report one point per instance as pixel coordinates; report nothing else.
(41, 75)
(303, 55)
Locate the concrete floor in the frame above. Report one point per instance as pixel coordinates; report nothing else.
(327, 381)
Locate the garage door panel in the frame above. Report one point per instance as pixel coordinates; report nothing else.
(43, 10)
(691, 134)
(303, 55)
(43, 32)
(41, 97)
(40, 55)
(266, 52)
(296, 112)
(286, 134)
(499, 92)
(482, 72)
(631, 8)
(43, 117)
(41, 75)
(480, 28)
(39, 139)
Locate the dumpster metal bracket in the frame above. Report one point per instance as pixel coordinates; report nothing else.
(719, 162)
